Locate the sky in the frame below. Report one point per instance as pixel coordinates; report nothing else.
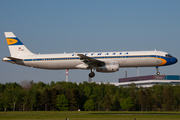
(58, 26)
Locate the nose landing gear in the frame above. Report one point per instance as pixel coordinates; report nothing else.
(157, 69)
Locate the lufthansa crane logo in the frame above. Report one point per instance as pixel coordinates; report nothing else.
(11, 41)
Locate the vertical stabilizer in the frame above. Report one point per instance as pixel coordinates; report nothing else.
(16, 47)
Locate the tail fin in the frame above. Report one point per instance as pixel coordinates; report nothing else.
(16, 47)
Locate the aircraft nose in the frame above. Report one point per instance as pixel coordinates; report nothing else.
(176, 60)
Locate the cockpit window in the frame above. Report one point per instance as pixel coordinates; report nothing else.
(169, 55)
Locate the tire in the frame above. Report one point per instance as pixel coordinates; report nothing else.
(91, 74)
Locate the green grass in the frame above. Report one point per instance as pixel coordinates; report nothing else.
(92, 115)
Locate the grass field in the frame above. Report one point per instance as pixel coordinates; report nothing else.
(92, 115)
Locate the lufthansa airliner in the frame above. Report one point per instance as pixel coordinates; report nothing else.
(100, 61)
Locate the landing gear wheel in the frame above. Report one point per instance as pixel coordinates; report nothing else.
(158, 73)
(157, 69)
(92, 74)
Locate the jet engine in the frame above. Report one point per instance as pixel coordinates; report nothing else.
(111, 66)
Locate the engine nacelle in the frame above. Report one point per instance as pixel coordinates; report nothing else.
(111, 66)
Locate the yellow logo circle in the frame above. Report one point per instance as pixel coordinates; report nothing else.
(11, 41)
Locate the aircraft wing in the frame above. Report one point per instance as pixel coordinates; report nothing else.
(90, 61)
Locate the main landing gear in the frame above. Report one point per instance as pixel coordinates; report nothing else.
(92, 74)
(157, 69)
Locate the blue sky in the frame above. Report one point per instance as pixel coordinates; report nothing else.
(59, 26)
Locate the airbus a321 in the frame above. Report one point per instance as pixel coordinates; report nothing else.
(104, 62)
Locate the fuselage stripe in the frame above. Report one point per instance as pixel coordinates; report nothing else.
(103, 57)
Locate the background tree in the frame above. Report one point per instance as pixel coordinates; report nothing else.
(73, 96)
(142, 99)
(157, 97)
(11, 95)
(45, 99)
(54, 93)
(115, 100)
(168, 98)
(107, 105)
(176, 104)
(33, 98)
(88, 96)
(62, 102)
(100, 98)
(134, 96)
(2, 87)
(26, 84)
(89, 105)
(126, 104)
(148, 98)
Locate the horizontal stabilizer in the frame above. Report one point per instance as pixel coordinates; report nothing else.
(14, 59)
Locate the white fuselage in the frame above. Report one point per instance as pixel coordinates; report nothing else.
(72, 61)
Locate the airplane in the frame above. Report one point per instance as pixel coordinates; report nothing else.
(105, 62)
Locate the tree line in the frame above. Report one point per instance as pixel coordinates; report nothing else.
(30, 96)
